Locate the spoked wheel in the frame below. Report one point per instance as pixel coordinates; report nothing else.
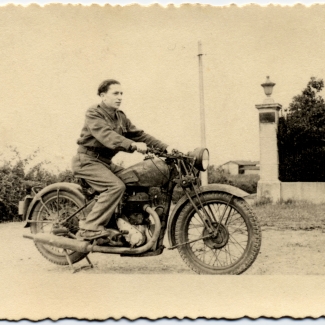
(46, 214)
(235, 246)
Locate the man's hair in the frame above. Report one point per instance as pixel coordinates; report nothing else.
(104, 86)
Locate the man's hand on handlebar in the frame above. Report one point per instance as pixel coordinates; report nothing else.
(171, 149)
(142, 148)
(139, 147)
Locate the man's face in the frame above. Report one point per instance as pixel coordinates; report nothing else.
(113, 97)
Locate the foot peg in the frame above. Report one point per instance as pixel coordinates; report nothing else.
(114, 240)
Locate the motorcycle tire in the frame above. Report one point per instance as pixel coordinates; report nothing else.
(48, 211)
(237, 244)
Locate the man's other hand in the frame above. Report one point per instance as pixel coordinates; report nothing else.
(139, 147)
(171, 149)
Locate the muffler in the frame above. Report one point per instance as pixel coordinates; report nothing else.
(59, 241)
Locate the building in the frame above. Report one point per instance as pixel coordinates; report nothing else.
(235, 167)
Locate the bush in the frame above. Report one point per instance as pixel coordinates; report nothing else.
(12, 189)
(247, 183)
(15, 184)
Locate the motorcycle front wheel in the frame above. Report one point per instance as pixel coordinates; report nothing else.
(53, 208)
(237, 243)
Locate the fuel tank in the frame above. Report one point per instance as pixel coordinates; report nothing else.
(150, 172)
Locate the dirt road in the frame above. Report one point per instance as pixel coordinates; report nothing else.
(283, 252)
(162, 286)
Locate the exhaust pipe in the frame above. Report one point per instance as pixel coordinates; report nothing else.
(86, 247)
(138, 250)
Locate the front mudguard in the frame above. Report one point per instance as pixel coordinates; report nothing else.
(72, 188)
(223, 188)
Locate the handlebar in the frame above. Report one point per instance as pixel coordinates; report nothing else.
(160, 153)
(163, 153)
(154, 151)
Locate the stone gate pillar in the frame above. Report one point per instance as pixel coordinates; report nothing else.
(269, 185)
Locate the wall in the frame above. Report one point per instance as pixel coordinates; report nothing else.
(308, 191)
(231, 168)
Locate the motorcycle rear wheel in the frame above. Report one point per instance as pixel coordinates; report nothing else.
(57, 207)
(239, 237)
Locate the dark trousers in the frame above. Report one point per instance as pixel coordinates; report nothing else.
(101, 177)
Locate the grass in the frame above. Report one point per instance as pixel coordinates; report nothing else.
(295, 215)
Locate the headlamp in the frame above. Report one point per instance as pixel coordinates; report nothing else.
(201, 156)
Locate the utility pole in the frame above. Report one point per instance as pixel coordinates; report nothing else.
(204, 175)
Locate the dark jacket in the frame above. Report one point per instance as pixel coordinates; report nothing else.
(110, 131)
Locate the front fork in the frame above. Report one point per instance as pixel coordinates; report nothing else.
(167, 195)
(189, 180)
(207, 220)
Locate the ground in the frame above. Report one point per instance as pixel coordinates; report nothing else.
(163, 286)
(283, 252)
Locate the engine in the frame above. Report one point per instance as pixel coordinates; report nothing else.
(134, 220)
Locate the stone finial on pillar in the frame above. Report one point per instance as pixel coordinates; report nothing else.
(269, 185)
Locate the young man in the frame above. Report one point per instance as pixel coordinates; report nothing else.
(106, 131)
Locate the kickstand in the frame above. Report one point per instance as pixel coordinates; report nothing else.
(73, 270)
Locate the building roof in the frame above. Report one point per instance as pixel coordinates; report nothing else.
(242, 162)
(251, 168)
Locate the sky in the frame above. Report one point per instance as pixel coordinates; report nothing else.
(54, 57)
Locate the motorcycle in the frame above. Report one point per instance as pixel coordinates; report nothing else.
(213, 228)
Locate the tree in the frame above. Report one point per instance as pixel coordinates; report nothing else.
(301, 136)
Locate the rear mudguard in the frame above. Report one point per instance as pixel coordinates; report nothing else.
(223, 188)
(72, 188)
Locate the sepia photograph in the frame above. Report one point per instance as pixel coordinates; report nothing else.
(148, 154)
